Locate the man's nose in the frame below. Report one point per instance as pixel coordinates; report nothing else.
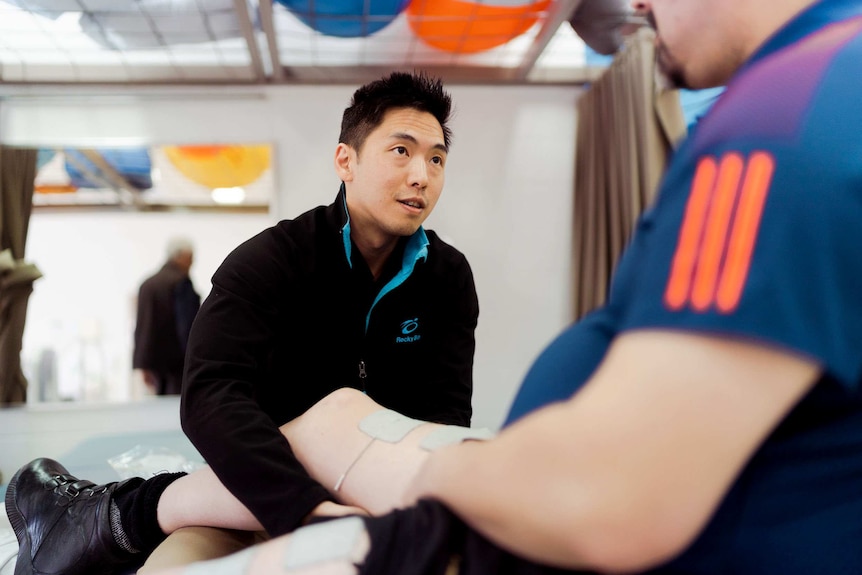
(418, 173)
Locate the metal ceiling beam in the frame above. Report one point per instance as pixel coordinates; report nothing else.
(465, 75)
(558, 13)
(267, 21)
(247, 28)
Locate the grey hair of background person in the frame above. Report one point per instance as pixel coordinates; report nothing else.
(178, 245)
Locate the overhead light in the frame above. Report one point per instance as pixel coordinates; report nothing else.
(228, 196)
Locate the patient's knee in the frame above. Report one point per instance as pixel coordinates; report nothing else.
(341, 399)
(338, 403)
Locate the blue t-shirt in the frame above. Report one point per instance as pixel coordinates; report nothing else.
(756, 234)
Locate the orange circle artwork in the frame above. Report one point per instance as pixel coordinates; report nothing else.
(469, 27)
(201, 151)
(220, 166)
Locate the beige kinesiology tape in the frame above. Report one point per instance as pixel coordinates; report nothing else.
(333, 540)
(392, 427)
(449, 434)
(388, 425)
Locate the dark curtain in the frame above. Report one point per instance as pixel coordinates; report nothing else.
(627, 127)
(17, 174)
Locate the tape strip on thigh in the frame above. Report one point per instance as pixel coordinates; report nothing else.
(388, 425)
(449, 434)
(235, 564)
(330, 541)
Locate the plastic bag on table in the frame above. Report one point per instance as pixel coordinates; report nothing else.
(146, 461)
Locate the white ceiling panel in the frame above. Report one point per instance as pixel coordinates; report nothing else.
(120, 23)
(190, 22)
(51, 5)
(131, 6)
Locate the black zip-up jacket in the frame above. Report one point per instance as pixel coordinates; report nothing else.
(294, 314)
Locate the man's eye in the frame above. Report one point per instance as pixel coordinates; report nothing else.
(400, 150)
(437, 160)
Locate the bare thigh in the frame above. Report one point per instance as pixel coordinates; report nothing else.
(191, 544)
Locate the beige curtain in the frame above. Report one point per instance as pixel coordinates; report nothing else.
(17, 174)
(627, 127)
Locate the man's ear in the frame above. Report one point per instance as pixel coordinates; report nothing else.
(345, 158)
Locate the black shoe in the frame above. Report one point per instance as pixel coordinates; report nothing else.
(63, 523)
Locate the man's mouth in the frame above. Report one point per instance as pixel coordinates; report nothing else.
(650, 18)
(633, 22)
(412, 203)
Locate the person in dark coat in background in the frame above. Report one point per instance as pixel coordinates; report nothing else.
(167, 305)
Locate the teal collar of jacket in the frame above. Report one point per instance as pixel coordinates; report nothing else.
(415, 250)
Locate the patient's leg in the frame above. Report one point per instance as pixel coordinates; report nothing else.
(203, 521)
(335, 441)
(328, 442)
(425, 538)
(200, 499)
(366, 456)
(192, 544)
(331, 548)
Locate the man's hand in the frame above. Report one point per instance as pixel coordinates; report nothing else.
(331, 509)
(150, 378)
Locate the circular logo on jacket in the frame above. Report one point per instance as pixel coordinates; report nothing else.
(409, 326)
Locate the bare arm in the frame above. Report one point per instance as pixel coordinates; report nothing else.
(626, 473)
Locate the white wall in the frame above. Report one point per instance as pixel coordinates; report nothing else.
(93, 263)
(507, 201)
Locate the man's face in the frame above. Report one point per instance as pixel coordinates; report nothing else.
(697, 41)
(184, 260)
(394, 180)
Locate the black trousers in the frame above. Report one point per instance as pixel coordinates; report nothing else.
(428, 539)
(169, 382)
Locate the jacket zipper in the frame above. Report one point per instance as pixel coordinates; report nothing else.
(363, 375)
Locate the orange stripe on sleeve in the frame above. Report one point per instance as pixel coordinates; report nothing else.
(744, 234)
(679, 282)
(715, 236)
